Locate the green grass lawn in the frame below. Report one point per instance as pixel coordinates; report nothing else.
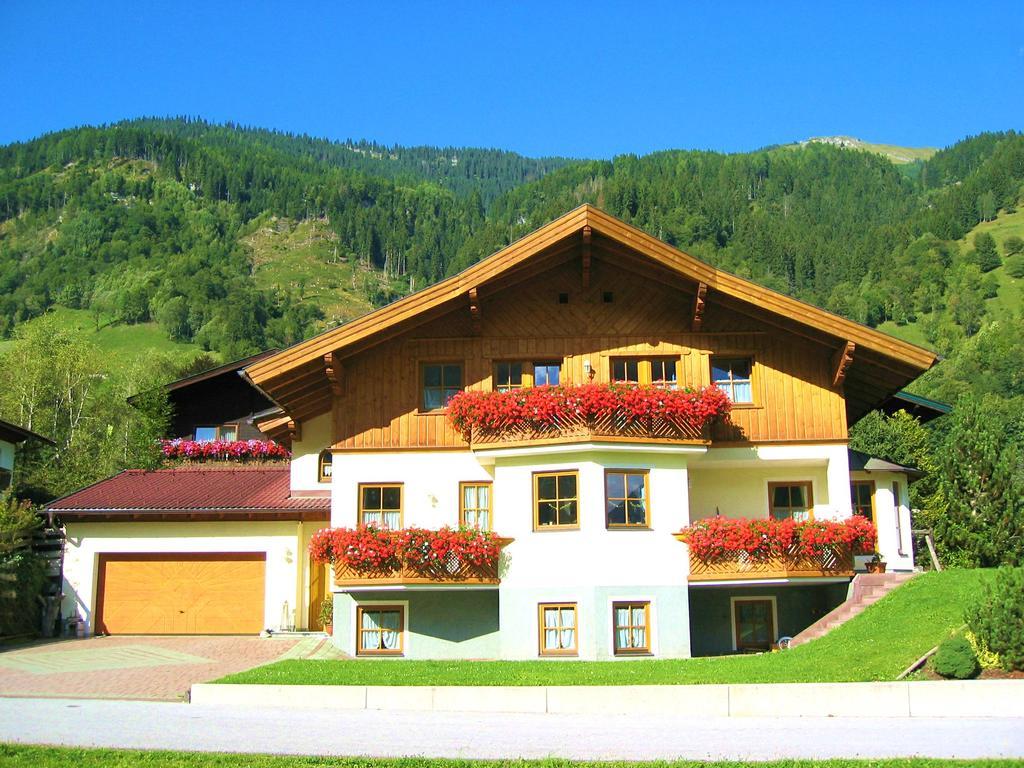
(18, 756)
(876, 645)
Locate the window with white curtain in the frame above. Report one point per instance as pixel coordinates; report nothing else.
(632, 627)
(381, 505)
(475, 505)
(733, 376)
(379, 630)
(558, 629)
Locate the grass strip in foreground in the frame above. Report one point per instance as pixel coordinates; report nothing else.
(19, 756)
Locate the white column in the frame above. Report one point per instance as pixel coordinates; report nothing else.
(838, 477)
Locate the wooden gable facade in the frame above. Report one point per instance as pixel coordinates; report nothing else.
(584, 291)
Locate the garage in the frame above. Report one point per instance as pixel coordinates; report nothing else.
(181, 594)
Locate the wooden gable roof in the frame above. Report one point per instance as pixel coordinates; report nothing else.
(872, 364)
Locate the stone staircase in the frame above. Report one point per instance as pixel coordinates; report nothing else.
(865, 589)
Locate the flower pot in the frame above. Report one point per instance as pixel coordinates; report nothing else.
(329, 629)
(875, 566)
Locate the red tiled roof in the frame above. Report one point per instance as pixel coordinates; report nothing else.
(202, 488)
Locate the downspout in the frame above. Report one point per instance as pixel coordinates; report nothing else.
(301, 606)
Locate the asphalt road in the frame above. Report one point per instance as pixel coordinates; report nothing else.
(151, 725)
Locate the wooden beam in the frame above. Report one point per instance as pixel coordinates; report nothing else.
(474, 310)
(841, 362)
(699, 303)
(332, 367)
(294, 430)
(587, 236)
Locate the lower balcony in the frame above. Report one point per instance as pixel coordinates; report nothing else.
(403, 571)
(834, 563)
(756, 549)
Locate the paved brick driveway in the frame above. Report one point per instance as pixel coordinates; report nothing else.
(126, 667)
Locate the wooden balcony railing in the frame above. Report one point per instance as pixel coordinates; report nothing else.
(451, 570)
(574, 428)
(832, 563)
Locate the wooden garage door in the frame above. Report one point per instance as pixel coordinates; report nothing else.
(181, 594)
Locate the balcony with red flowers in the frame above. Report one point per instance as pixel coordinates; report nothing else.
(616, 412)
(728, 549)
(368, 556)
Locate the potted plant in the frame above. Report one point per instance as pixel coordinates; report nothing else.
(876, 564)
(327, 615)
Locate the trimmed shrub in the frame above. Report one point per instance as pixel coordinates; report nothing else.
(986, 658)
(1015, 265)
(998, 619)
(22, 569)
(955, 659)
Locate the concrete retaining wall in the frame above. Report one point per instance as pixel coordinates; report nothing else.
(972, 698)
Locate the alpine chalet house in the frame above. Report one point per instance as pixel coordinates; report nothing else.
(650, 456)
(589, 445)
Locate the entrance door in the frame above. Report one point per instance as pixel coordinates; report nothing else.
(318, 581)
(755, 624)
(181, 594)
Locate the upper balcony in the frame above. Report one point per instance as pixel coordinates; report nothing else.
(603, 412)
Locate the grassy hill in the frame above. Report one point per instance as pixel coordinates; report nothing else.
(120, 342)
(304, 257)
(1009, 301)
(897, 154)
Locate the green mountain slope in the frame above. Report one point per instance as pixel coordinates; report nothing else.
(235, 239)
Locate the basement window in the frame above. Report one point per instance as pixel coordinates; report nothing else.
(563, 298)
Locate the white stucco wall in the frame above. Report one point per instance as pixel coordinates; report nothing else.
(734, 481)
(316, 436)
(431, 484)
(590, 566)
(593, 555)
(279, 540)
(892, 518)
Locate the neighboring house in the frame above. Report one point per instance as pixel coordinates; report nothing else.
(208, 548)
(11, 436)
(218, 404)
(586, 298)
(191, 550)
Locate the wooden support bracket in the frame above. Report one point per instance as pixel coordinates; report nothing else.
(332, 367)
(587, 237)
(699, 303)
(841, 362)
(474, 310)
(294, 430)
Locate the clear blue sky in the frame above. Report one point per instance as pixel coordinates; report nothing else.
(582, 79)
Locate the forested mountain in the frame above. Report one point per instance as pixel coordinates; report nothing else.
(164, 220)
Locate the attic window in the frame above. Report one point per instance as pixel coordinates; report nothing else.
(325, 465)
(563, 298)
(608, 297)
